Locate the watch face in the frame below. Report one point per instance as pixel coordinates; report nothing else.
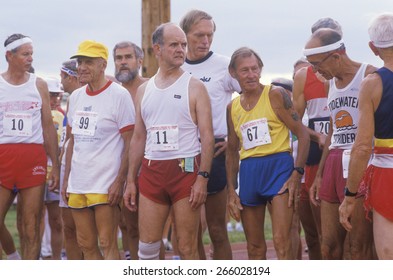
(300, 170)
(204, 174)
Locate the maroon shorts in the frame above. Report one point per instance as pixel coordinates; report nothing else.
(164, 182)
(333, 182)
(22, 165)
(309, 174)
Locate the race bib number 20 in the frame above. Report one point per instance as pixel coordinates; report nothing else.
(255, 133)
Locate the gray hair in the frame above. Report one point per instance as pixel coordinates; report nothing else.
(381, 28)
(125, 44)
(327, 22)
(193, 17)
(13, 38)
(158, 35)
(241, 53)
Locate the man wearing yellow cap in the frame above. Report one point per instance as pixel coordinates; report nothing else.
(101, 117)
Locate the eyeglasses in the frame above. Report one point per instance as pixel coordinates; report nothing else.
(69, 71)
(317, 65)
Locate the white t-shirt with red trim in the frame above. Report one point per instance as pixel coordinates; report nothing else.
(97, 120)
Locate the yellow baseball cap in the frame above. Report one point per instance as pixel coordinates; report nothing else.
(91, 48)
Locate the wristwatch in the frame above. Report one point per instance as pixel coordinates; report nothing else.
(204, 174)
(299, 170)
(348, 193)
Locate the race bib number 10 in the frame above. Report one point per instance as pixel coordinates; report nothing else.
(255, 133)
(18, 124)
(164, 137)
(85, 123)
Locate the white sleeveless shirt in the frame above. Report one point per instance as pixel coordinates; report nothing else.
(20, 112)
(171, 132)
(343, 105)
(212, 70)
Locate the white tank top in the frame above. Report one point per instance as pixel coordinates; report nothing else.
(171, 132)
(343, 105)
(213, 72)
(20, 112)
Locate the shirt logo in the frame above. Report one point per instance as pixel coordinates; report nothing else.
(87, 109)
(205, 80)
(177, 96)
(344, 121)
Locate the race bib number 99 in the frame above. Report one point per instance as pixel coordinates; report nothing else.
(164, 137)
(84, 123)
(18, 124)
(255, 133)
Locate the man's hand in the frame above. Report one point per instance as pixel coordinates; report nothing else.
(198, 192)
(54, 177)
(293, 187)
(234, 205)
(219, 148)
(130, 196)
(345, 210)
(314, 191)
(115, 192)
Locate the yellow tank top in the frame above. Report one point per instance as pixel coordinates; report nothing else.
(260, 131)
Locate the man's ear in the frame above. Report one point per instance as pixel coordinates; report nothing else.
(373, 48)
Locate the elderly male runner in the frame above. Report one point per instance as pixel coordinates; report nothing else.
(310, 93)
(212, 69)
(326, 52)
(101, 116)
(27, 135)
(259, 121)
(170, 109)
(128, 59)
(376, 118)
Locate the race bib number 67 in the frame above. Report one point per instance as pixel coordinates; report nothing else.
(255, 133)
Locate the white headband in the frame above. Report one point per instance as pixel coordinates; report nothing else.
(18, 43)
(383, 44)
(323, 49)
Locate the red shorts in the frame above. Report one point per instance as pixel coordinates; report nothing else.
(22, 165)
(164, 182)
(309, 177)
(333, 182)
(380, 193)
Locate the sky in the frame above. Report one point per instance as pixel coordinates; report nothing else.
(276, 29)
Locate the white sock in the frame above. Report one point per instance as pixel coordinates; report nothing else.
(14, 256)
(127, 255)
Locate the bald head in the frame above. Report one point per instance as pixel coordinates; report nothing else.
(323, 37)
(165, 29)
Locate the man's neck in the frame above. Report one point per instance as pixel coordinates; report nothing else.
(16, 76)
(97, 84)
(132, 86)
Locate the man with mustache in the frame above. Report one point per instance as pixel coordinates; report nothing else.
(128, 61)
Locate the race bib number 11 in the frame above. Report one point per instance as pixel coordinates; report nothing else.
(255, 133)
(164, 137)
